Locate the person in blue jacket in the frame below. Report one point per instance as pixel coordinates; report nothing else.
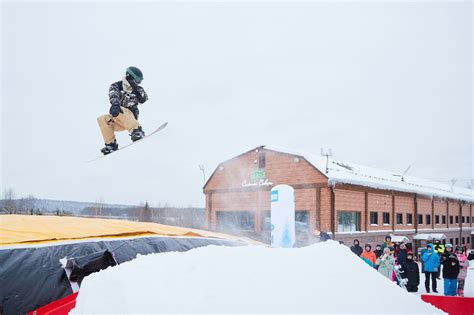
(431, 265)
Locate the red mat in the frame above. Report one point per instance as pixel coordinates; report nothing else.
(453, 305)
(58, 307)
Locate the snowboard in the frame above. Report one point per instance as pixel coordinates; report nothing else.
(132, 143)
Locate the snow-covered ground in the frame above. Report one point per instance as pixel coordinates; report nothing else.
(322, 278)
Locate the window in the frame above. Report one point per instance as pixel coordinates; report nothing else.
(468, 239)
(463, 220)
(428, 219)
(457, 219)
(451, 219)
(348, 221)
(399, 218)
(463, 240)
(301, 221)
(374, 218)
(235, 220)
(451, 241)
(261, 160)
(409, 218)
(457, 240)
(443, 221)
(420, 219)
(386, 218)
(436, 219)
(467, 219)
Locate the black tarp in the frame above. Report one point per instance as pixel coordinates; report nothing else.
(32, 277)
(85, 265)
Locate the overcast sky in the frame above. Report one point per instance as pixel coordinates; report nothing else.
(384, 85)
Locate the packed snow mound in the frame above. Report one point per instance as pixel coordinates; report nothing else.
(322, 278)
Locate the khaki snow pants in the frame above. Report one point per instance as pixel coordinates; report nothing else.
(124, 121)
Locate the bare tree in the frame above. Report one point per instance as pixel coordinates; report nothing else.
(9, 205)
(98, 206)
(30, 202)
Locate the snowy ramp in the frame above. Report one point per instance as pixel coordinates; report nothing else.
(323, 278)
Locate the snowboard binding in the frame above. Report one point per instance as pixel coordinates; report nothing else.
(137, 134)
(110, 147)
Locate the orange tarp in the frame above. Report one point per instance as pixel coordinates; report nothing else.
(17, 229)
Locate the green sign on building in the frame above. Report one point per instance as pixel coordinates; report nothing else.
(257, 174)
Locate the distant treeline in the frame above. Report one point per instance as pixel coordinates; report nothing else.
(186, 217)
(179, 216)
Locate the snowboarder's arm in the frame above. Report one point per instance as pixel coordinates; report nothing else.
(114, 93)
(141, 95)
(139, 91)
(135, 111)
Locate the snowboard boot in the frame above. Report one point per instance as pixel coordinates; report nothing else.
(110, 147)
(137, 134)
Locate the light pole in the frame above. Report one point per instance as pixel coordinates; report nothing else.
(404, 173)
(327, 153)
(203, 170)
(453, 182)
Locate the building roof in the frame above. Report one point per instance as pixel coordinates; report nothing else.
(430, 237)
(351, 173)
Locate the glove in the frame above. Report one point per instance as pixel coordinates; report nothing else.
(133, 83)
(115, 110)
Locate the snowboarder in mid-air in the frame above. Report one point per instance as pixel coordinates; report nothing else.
(125, 96)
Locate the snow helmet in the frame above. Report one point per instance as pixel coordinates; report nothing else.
(135, 73)
(448, 245)
(460, 249)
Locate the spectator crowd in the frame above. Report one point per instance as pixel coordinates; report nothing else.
(397, 262)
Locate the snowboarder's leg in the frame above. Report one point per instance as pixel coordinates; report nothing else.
(107, 128)
(127, 121)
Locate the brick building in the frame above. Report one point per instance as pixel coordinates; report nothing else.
(344, 199)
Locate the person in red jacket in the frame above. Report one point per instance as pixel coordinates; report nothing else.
(368, 255)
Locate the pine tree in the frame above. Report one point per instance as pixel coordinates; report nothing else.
(147, 215)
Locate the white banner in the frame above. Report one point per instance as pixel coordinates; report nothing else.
(282, 216)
